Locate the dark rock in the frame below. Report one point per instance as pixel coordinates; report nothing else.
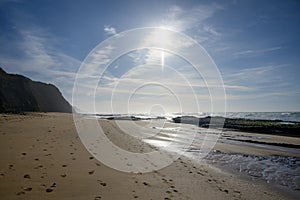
(276, 127)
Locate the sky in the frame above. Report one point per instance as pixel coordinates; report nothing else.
(255, 46)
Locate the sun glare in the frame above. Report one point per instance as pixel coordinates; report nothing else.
(172, 28)
(162, 60)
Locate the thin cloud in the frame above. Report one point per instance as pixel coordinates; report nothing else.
(256, 51)
(109, 30)
(194, 20)
(183, 20)
(42, 61)
(271, 94)
(255, 72)
(263, 82)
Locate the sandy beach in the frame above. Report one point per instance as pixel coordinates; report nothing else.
(42, 157)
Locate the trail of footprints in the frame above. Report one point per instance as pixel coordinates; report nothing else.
(48, 188)
(219, 184)
(169, 193)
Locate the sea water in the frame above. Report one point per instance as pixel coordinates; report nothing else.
(283, 116)
(283, 171)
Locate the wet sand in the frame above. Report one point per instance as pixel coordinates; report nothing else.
(42, 157)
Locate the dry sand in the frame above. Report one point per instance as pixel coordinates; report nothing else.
(42, 157)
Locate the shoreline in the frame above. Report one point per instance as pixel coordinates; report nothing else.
(47, 148)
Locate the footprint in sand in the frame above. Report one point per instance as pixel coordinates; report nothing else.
(20, 193)
(63, 175)
(145, 183)
(102, 183)
(200, 173)
(91, 172)
(97, 197)
(27, 189)
(236, 191)
(50, 189)
(40, 166)
(27, 176)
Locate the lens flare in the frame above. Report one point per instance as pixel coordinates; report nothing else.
(162, 60)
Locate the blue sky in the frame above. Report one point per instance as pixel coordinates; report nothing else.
(255, 45)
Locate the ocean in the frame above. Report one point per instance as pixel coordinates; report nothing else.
(283, 116)
(276, 170)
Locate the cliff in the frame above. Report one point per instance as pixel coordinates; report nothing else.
(20, 94)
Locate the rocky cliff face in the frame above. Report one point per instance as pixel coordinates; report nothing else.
(20, 94)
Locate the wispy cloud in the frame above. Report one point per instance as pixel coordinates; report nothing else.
(254, 52)
(194, 20)
(42, 61)
(264, 83)
(254, 73)
(181, 20)
(109, 30)
(262, 95)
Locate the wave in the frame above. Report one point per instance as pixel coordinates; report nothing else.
(276, 170)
